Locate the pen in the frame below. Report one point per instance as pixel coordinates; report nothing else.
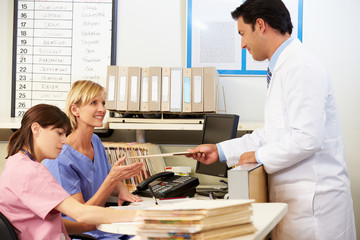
(153, 195)
(211, 196)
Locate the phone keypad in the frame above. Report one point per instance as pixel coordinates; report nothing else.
(173, 186)
(165, 186)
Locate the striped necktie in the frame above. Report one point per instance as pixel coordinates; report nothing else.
(268, 77)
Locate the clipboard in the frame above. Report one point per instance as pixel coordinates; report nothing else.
(174, 154)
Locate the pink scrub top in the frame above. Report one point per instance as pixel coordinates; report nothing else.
(28, 196)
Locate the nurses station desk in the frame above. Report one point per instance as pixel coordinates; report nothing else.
(265, 218)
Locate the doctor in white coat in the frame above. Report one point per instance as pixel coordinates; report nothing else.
(300, 145)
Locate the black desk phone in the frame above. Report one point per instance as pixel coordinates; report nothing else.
(167, 185)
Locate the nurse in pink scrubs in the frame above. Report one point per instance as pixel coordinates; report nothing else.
(31, 198)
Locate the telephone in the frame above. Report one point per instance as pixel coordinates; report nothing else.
(167, 185)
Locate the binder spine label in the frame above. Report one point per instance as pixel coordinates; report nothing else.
(145, 89)
(197, 89)
(122, 89)
(134, 87)
(187, 89)
(111, 90)
(165, 89)
(154, 88)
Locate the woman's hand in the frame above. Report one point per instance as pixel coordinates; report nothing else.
(125, 195)
(119, 172)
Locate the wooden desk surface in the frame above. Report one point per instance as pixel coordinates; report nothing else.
(265, 217)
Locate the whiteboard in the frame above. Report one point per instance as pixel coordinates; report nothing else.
(213, 38)
(56, 43)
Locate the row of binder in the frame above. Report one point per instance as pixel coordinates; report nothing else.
(162, 89)
(115, 151)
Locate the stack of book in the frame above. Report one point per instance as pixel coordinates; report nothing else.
(197, 219)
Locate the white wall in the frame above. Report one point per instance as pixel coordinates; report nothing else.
(154, 33)
(329, 32)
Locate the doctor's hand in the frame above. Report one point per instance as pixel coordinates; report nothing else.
(120, 172)
(204, 153)
(247, 157)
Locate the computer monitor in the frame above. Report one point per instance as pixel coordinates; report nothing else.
(217, 128)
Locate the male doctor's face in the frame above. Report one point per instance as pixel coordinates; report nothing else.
(251, 39)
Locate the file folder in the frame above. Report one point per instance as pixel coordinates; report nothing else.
(211, 82)
(197, 89)
(145, 101)
(176, 90)
(187, 90)
(165, 89)
(173, 154)
(122, 93)
(155, 89)
(134, 88)
(111, 86)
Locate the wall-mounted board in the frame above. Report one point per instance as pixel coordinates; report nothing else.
(213, 38)
(56, 42)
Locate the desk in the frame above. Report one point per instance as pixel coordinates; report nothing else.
(266, 216)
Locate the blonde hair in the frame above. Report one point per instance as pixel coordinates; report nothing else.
(81, 92)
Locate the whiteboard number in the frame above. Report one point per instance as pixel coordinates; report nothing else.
(22, 86)
(22, 95)
(20, 113)
(22, 59)
(23, 50)
(22, 77)
(21, 104)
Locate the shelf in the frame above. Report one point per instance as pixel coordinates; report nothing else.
(144, 124)
(170, 124)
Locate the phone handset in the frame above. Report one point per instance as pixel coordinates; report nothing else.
(144, 185)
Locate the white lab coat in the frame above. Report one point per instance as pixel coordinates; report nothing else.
(302, 150)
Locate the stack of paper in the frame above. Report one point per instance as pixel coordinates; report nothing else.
(197, 219)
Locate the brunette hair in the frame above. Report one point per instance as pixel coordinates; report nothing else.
(43, 114)
(81, 92)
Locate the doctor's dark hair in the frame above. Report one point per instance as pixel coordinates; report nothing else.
(43, 114)
(273, 12)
